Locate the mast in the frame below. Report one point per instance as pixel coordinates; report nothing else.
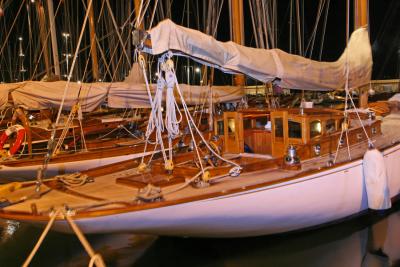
(93, 50)
(361, 20)
(360, 13)
(43, 39)
(54, 45)
(237, 32)
(137, 13)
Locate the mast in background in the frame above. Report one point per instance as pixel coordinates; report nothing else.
(93, 49)
(53, 32)
(43, 38)
(137, 6)
(237, 25)
(361, 20)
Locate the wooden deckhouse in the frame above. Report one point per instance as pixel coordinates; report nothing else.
(312, 131)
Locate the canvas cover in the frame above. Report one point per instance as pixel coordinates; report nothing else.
(125, 95)
(4, 91)
(34, 95)
(42, 95)
(294, 72)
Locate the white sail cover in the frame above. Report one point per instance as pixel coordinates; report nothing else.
(42, 95)
(294, 72)
(124, 95)
(34, 95)
(4, 91)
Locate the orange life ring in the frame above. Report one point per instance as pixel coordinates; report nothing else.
(20, 130)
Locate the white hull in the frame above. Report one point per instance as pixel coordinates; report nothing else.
(53, 169)
(297, 204)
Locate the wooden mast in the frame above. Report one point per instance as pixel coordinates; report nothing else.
(93, 50)
(43, 39)
(237, 32)
(53, 32)
(137, 13)
(361, 20)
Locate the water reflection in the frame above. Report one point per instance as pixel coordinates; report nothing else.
(17, 240)
(370, 241)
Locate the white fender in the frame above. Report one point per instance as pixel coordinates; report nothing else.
(376, 181)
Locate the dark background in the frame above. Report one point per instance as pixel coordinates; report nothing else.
(384, 21)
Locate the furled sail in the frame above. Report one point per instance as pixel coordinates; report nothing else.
(42, 95)
(124, 95)
(131, 93)
(293, 71)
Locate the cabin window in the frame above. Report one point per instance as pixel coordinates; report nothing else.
(341, 124)
(247, 123)
(220, 128)
(204, 121)
(373, 130)
(278, 127)
(341, 141)
(330, 126)
(315, 128)
(231, 126)
(261, 122)
(294, 129)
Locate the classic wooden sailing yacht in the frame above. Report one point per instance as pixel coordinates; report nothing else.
(261, 172)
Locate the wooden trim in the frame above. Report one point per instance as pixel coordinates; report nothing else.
(25, 216)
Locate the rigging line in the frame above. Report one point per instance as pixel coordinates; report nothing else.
(259, 25)
(270, 22)
(217, 21)
(103, 57)
(42, 50)
(12, 26)
(197, 15)
(346, 118)
(190, 119)
(74, 61)
(141, 17)
(117, 31)
(207, 17)
(290, 26)
(50, 144)
(137, 24)
(110, 33)
(79, 52)
(253, 23)
(311, 40)
(275, 23)
(324, 30)
(127, 21)
(152, 15)
(298, 28)
(101, 11)
(118, 63)
(265, 26)
(320, 13)
(142, 64)
(72, 115)
(203, 105)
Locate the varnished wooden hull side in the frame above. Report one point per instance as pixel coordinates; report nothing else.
(22, 173)
(295, 204)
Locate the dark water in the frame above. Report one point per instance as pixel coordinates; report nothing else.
(372, 240)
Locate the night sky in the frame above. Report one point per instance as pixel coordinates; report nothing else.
(384, 18)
